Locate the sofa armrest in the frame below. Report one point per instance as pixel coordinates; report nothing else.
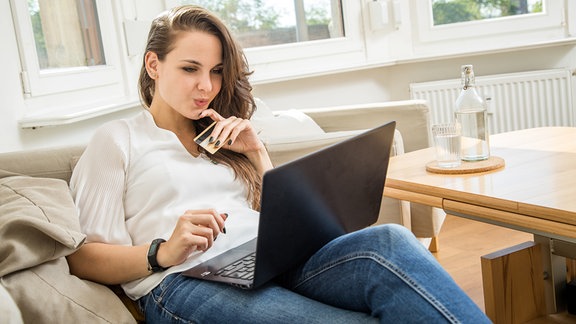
(411, 116)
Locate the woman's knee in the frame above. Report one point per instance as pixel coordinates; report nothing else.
(394, 232)
(394, 229)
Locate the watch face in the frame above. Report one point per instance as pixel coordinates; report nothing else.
(152, 253)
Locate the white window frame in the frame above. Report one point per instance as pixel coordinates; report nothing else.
(37, 82)
(488, 34)
(287, 61)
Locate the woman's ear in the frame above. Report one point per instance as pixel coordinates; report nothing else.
(151, 60)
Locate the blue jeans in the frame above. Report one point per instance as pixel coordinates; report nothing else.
(379, 274)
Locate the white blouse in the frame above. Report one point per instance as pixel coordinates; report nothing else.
(135, 179)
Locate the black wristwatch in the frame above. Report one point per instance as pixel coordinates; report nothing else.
(152, 254)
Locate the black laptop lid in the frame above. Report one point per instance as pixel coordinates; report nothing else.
(325, 194)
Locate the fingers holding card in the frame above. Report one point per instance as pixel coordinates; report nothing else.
(203, 139)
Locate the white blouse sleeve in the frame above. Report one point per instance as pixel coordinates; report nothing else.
(98, 185)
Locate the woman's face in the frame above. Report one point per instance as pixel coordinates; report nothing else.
(190, 76)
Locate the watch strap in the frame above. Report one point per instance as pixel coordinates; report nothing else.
(153, 265)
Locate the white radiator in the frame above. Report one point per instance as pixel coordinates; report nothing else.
(515, 101)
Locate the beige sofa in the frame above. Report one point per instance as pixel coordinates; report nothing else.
(39, 227)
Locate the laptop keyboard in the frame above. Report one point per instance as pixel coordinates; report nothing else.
(241, 269)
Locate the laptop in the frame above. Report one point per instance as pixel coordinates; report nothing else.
(306, 203)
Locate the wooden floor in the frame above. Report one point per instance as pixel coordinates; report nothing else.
(462, 242)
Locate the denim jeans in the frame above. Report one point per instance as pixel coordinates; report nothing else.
(379, 274)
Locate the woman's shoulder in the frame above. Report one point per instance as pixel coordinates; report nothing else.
(120, 129)
(114, 134)
(124, 123)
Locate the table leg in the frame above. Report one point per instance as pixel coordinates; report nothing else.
(513, 285)
(554, 267)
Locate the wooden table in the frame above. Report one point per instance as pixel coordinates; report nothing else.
(534, 192)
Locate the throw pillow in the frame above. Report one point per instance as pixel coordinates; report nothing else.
(262, 110)
(48, 294)
(272, 126)
(397, 144)
(38, 222)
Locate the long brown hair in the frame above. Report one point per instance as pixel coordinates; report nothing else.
(235, 97)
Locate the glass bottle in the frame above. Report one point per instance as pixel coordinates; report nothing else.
(471, 114)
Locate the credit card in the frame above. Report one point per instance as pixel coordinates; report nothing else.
(203, 138)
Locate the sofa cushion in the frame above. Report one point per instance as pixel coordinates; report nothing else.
(48, 294)
(38, 222)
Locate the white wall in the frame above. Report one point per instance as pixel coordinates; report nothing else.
(392, 82)
(361, 86)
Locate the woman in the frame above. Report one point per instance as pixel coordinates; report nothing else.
(144, 180)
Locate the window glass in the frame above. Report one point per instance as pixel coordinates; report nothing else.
(271, 22)
(455, 11)
(67, 47)
(66, 33)
(492, 24)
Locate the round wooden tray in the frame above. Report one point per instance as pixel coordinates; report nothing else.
(491, 163)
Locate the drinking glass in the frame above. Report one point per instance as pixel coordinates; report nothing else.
(447, 141)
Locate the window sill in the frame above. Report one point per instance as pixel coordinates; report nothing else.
(75, 114)
(543, 44)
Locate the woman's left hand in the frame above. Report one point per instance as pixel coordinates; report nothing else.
(233, 133)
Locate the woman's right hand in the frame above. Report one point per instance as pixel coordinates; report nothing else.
(195, 230)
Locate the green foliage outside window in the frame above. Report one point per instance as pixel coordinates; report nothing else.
(265, 22)
(242, 15)
(455, 11)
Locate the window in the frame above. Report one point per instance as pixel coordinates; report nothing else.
(65, 45)
(263, 23)
(455, 11)
(292, 38)
(457, 26)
